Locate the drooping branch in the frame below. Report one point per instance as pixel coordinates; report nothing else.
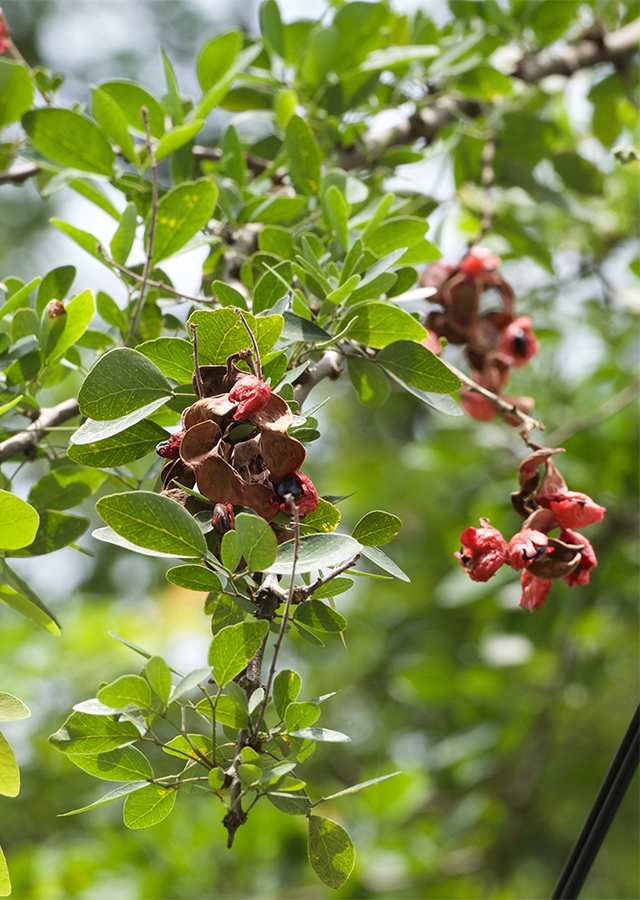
(27, 441)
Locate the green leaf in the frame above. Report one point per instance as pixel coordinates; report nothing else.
(194, 578)
(228, 296)
(182, 212)
(270, 288)
(417, 366)
(344, 291)
(179, 746)
(122, 791)
(316, 551)
(397, 56)
(332, 588)
(92, 432)
(18, 522)
(12, 709)
(64, 488)
(9, 771)
(403, 231)
(130, 97)
(109, 536)
(173, 356)
(321, 734)
(382, 560)
(331, 851)
(5, 881)
(325, 517)
(20, 298)
(217, 92)
(55, 531)
(177, 137)
(124, 691)
(124, 764)
(190, 681)
(227, 712)
(113, 122)
(380, 324)
(123, 447)
(86, 734)
(277, 210)
(148, 806)
(90, 191)
(298, 329)
(223, 611)
(121, 381)
(221, 333)
(320, 54)
(233, 647)
(78, 314)
(16, 593)
(304, 155)
(216, 57)
(290, 803)
(360, 787)
(376, 528)
(337, 210)
(230, 551)
(154, 522)
(578, 173)
(317, 615)
(158, 675)
(444, 403)
(54, 286)
(257, 542)
(370, 382)
(286, 687)
(483, 82)
(122, 241)
(16, 92)
(84, 239)
(299, 715)
(109, 310)
(271, 27)
(69, 139)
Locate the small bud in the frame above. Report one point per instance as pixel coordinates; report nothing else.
(55, 309)
(170, 449)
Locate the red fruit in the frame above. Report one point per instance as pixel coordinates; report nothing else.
(170, 449)
(526, 546)
(301, 488)
(483, 551)
(518, 342)
(573, 509)
(534, 591)
(588, 558)
(478, 261)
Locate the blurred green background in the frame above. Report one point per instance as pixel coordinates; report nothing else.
(502, 722)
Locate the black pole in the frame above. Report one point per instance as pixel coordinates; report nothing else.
(606, 805)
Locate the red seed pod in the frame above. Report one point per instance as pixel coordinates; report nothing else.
(534, 591)
(483, 551)
(251, 394)
(526, 546)
(478, 261)
(518, 342)
(588, 559)
(573, 509)
(5, 40)
(170, 449)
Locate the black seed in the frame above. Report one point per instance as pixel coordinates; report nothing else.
(520, 343)
(290, 484)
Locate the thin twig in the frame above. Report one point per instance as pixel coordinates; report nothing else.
(156, 284)
(196, 366)
(334, 572)
(285, 616)
(144, 112)
(609, 408)
(528, 422)
(238, 312)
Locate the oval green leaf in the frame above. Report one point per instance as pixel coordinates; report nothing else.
(194, 578)
(412, 363)
(377, 527)
(257, 542)
(70, 139)
(331, 851)
(123, 764)
(317, 551)
(16, 92)
(18, 522)
(148, 806)
(233, 647)
(121, 381)
(124, 691)
(182, 212)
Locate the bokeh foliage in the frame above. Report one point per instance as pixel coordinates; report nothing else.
(503, 723)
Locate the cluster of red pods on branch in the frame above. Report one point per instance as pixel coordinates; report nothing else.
(545, 507)
(495, 341)
(234, 444)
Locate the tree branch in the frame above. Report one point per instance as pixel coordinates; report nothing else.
(27, 441)
(328, 366)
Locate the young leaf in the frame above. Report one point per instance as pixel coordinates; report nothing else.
(123, 764)
(12, 709)
(178, 137)
(331, 851)
(376, 528)
(316, 551)
(158, 675)
(9, 771)
(300, 715)
(216, 57)
(130, 98)
(332, 588)
(194, 578)
(381, 559)
(18, 522)
(122, 241)
(148, 806)
(126, 690)
(182, 212)
(286, 687)
(257, 542)
(304, 155)
(70, 139)
(417, 366)
(154, 522)
(221, 333)
(233, 647)
(16, 92)
(271, 26)
(124, 447)
(122, 791)
(78, 314)
(86, 734)
(379, 324)
(315, 614)
(121, 381)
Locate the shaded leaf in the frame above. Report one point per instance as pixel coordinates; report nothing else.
(148, 806)
(331, 851)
